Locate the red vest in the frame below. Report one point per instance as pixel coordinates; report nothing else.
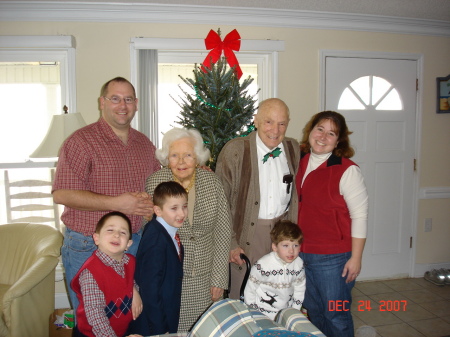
(323, 215)
(118, 294)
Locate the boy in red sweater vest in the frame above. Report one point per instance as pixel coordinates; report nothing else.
(105, 283)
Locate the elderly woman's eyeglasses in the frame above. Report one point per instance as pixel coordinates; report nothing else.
(117, 100)
(187, 158)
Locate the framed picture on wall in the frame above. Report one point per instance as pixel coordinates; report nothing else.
(443, 94)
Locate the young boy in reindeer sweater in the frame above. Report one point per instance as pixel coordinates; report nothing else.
(277, 280)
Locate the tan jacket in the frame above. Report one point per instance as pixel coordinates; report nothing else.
(237, 167)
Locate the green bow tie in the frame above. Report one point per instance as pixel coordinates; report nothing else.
(275, 153)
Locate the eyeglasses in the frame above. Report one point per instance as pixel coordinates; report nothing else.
(188, 158)
(117, 100)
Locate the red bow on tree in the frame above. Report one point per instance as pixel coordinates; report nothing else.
(230, 42)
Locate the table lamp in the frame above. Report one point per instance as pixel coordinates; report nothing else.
(61, 127)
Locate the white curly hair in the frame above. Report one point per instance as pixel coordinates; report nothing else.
(201, 151)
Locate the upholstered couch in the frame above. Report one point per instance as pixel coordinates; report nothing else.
(233, 318)
(28, 256)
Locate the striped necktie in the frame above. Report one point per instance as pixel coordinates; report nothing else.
(177, 238)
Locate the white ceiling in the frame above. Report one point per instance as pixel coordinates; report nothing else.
(420, 9)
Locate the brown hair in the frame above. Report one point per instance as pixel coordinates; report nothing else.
(166, 190)
(343, 148)
(103, 219)
(119, 79)
(286, 230)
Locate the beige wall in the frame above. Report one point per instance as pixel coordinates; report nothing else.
(103, 52)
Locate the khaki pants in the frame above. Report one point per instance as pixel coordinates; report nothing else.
(260, 245)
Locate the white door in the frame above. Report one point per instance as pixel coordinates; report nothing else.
(378, 99)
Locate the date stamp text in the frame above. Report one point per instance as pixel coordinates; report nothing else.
(367, 305)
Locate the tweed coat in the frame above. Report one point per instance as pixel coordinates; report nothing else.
(206, 243)
(237, 164)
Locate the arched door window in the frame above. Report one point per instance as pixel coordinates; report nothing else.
(370, 91)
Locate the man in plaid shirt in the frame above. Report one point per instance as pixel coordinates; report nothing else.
(103, 167)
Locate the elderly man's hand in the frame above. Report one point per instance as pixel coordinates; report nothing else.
(207, 168)
(235, 256)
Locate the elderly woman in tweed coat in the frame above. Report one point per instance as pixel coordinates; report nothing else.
(206, 234)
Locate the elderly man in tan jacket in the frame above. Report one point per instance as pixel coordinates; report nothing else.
(258, 173)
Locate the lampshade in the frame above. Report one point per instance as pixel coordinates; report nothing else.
(61, 127)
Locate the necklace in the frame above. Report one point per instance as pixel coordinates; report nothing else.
(191, 184)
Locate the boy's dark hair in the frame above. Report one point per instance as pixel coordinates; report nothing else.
(286, 230)
(103, 219)
(166, 190)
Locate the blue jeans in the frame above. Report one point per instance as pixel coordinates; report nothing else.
(76, 249)
(328, 298)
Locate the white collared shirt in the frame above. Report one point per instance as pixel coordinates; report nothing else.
(274, 200)
(171, 230)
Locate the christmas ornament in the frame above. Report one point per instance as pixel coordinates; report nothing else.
(232, 41)
(220, 106)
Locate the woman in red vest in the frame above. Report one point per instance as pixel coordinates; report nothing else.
(332, 214)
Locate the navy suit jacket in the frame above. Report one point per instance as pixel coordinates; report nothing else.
(159, 273)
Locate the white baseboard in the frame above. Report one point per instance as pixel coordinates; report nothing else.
(61, 301)
(61, 298)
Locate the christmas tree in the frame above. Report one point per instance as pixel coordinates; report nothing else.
(220, 107)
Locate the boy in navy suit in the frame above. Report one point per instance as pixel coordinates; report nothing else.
(159, 263)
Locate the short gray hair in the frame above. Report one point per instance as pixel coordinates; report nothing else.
(201, 151)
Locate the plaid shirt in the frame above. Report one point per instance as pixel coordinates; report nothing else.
(94, 299)
(95, 159)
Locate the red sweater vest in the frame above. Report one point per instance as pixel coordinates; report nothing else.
(323, 215)
(118, 294)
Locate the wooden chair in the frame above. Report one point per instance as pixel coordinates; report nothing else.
(33, 197)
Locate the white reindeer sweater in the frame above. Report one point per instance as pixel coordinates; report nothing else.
(274, 285)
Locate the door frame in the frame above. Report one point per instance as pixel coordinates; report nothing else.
(323, 54)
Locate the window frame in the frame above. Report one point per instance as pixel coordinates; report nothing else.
(262, 52)
(43, 48)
